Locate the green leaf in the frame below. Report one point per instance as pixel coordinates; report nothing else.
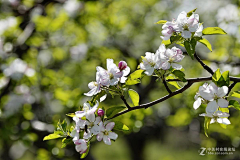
(224, 109)
(134, 97)
(226, 78)
(189, 48)
(71, 115)
(54, 135)
(216, 76)
(134, 78)
(161, 22)
(166, 42)
(206, 43)
(213, 30)
(97, 97)
(62, 126)
(175, 38)
(236, 94)
(221, 79)
(180, 75)
(191, 12)
(175, 84)
(206, 125)
(84, 155)
(114, 110)
(120, 126)
(66, 141)
(235, 104)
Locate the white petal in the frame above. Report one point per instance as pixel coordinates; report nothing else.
(186, 34)
(100, 136)
(112, 135)
(94, 108)
(87, 135)
(206, 95)
(106, 140)
(92, 92)
(90, 117)
(212, 107)
(126, 71)
(149, 72)
(222, 91)
(212, 121)
(95, 130)
(80, 114)
(110, 126)
(176, 66)
(197, 103)
(165, 66)
(109, 64)
(225, 121)
(223, 103)
(98, 120)
(123, 79)
(103, 98)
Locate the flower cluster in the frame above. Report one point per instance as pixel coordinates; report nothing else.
(110, 77)
(214, 97)
(89, 123)
(184, 25)
(162, 59)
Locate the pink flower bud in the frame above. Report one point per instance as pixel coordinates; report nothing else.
(100, 112)
(122, 65)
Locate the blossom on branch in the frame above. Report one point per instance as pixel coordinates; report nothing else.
(218, 116)
(106, 133)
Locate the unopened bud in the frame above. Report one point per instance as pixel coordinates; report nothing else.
(122, 65)
(100, 112)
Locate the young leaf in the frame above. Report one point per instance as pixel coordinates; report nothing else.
(191, 12)
(175, 38)
(216, 76)
(120, 126)
(235, 104)
(114, 110)
(189, 49)
(166, 42)
(175, 84)
(236, 94)
(84, 155)
(180, 75)
(161, 22)
(206, 43)
(134, 78)
(213, 30)
(71, 115)
(54, 135)
(62, 126)
(226, 78)
(221, 79)
(66, 141)
(134, 97)
(206, 125)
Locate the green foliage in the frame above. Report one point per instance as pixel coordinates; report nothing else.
(134, 97)
(161, 22)
(221, 79)
(235, 104)
(176, 39)
(166, 42)
(206, 125)
(173, 83)
(55, 135)
(62, 131)
(135, 77)
(213, 30)
(191, 12)
(190, 47)
(71, 115)
(236, 94)
(180, 75)
(66, 141)
(114, 110)
(206, 43)
(120, 126)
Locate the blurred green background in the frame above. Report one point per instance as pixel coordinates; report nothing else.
(49, 50)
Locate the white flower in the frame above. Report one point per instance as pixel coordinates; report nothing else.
(215, 95)
(81, 146)
(187, 25)
(198, 33)
(168, 29)
(198, 98)
(124, 69)
(92, 123)
(170, 57)
(149, 63)
(94, 87)
(106, 134)
(87, 110)
(218, 116)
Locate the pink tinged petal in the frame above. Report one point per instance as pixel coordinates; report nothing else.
(122, 65)
(126, 71)
(112, 135)
(176, 66)
(87, 135)
(101, 127)
(169, 53)
(94, 108)
(95, 130)
(165, 66)
(197, 103)
(222, 91)
(80, 114)
(223, 103)
(100, 136)
(186, 34)
(110, 126)
(212, 107)
(149, 72)
(106, 140)
(118, 74)
(212, 121)
(103, 98)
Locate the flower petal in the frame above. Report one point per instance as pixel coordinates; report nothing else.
(212, 121)
(176, 66)
(197, 103)
(149, 72)
(186, 34)
(223, 103)
(222, 91)
(112, 135)
(126, 71)
(165, 66)
(106, 140)
(103, 98)
(100, 136)
(212, 107)
(110, 126)
(225, 121)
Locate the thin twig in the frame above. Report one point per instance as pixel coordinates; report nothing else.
(231, 87)
(125, 102)
(166, 86)
(206, 67)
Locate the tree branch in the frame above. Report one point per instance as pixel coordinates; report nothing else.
(231, 87)
(125, 102)
(166, 86)
(207, 68)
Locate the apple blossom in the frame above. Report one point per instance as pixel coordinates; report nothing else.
(94, 87)
(105, 133)
(87, 110)
(92, 123)
(218, 116)
(198, 33)
(215, 95)
(168, 29)
(198, 98)
(150, 62)
(170, 57)
(124, 69)
(81, 146)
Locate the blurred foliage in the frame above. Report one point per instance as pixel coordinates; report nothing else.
(64, 41)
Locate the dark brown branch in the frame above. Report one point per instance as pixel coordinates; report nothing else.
(231, 87)
(125, 102)
(200, 79)
(166, 86)
(203, 64)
